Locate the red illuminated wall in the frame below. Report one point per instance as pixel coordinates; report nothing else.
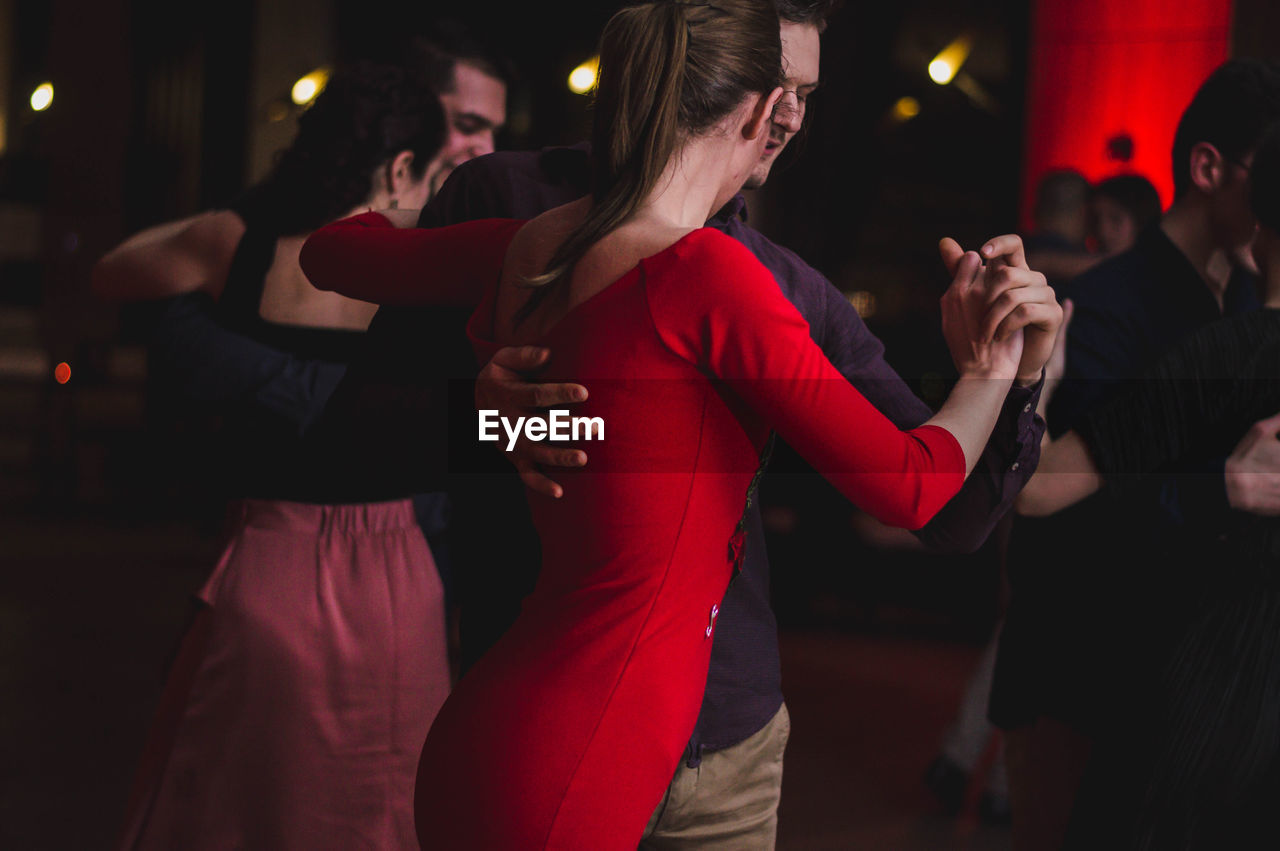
(1100, 68)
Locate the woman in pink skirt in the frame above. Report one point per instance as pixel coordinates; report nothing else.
(300, 699)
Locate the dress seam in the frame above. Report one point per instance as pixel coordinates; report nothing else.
(640, 630)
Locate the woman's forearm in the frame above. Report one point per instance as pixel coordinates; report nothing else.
(174, 258)
(970, 413)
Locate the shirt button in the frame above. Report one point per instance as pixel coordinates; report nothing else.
(1014, 467)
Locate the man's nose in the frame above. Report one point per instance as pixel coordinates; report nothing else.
(788, 113)
(482, 144)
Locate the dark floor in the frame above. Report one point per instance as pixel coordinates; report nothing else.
(90, 610)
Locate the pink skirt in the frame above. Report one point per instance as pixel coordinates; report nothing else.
(308, 687)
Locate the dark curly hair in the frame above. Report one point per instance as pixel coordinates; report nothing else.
(366, 115)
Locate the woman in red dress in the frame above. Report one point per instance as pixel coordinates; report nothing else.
(566, 734)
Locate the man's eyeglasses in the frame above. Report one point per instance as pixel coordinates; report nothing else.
(1246, 166)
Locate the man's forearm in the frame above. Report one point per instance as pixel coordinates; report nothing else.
(1007, 462)
(197, 358)
(1005, 465)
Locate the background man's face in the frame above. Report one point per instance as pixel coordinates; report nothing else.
(800, 55)
(473, 112)
(1234, 223)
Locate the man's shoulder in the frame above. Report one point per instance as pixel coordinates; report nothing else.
(791, 271)
(549, 164)
(828, 312)
(511, 184)
(1114, 284)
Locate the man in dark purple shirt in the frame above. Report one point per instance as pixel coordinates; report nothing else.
(743, 724)
(744, 683)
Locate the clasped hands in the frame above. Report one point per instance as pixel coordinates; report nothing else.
(1000, 318)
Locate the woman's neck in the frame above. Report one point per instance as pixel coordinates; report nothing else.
(687, 190)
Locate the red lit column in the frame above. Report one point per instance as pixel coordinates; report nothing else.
(1100, 70)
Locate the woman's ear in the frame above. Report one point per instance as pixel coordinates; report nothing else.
(399, 174)
(761, 115)
(1207, 167)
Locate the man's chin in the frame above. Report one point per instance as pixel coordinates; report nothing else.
(759, 174)
(1245, 260)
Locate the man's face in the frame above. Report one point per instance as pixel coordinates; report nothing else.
(1233, 221)
(800, 55)
(473, 112)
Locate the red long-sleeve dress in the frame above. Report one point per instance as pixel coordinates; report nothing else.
(566, 734)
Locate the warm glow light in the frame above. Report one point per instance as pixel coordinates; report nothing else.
(42, 97)
(863, 302)
(583, 78)
(906, 108)
(941, 72)
(62, 373)
(947, 63)
(309, 87)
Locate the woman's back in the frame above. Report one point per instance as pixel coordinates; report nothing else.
(607, 261)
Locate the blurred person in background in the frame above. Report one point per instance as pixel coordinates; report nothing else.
(1057, 246)
(1121, 208)
(302, 692)
(1095, 592)
(472, 82)
(1203, 772)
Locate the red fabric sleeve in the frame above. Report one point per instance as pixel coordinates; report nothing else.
(367, 258)
(716, 306)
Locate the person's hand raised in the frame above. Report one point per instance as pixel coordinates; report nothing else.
(1020, 299)
(1253, 470)
(979, 348)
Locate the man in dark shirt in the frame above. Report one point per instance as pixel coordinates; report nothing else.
(726, 791)
(1087, 617)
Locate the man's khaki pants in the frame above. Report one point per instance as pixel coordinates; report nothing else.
(729, 802)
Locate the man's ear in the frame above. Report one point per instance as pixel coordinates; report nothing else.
(1208, 167)
(761, 114)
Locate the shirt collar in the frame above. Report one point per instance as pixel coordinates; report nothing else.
(1180, 276)
(735, 209)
